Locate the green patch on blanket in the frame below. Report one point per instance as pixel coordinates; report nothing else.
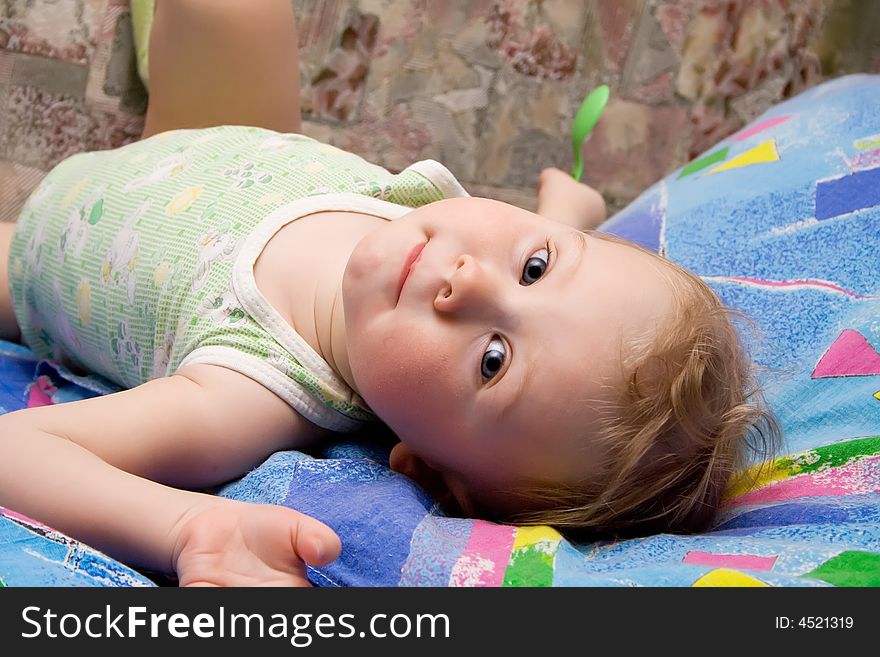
(850, 568)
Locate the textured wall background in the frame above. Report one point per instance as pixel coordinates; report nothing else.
(488, 87)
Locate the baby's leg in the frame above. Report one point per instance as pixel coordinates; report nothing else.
(563, 199)
(223, 62)
(8, 325)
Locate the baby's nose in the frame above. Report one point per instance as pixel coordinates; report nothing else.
(470, 288)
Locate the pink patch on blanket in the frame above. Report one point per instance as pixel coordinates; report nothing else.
(867, 160)
(742, 561)
(859, 477)
(760, 127)
(18, 517)
(40, 392)
(849, 355)
(485, 558)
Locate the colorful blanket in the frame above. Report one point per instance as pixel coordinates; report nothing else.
(783, 220)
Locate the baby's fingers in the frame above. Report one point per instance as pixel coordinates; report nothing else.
(313, 541)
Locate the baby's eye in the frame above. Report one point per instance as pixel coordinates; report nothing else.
(493, 359)
(535, 267)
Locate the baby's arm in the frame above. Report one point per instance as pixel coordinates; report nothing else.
(90, 468)
(562, 198)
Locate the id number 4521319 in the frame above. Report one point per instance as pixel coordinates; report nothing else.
(815, 622)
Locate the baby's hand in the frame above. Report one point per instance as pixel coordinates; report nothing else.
(229, 543)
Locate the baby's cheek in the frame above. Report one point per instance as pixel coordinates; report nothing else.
(407, 364)
(408, 374)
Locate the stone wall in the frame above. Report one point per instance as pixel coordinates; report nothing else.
(488, 87)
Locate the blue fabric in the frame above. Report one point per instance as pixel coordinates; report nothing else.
(374, 510)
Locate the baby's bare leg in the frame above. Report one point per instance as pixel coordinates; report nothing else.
(562, 198)
(8, 325)
(223, 62)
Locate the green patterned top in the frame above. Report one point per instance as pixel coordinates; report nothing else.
(134, 262)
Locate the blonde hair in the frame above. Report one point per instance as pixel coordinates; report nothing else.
(689, 416)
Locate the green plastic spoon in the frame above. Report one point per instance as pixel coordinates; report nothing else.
(584, 121)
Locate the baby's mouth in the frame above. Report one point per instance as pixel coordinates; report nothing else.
(408, 266)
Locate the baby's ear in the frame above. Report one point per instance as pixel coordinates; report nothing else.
(406, 462)
(447, 489)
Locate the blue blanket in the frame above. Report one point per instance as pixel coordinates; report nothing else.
(783, 220)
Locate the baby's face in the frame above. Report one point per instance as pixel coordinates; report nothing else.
(490, 354)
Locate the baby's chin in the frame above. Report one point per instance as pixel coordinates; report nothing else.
(356, 268)
(358, 286)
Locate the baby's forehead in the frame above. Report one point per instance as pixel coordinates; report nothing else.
(620, 297)
(568, 381)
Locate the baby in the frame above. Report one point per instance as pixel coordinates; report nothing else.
(256, 290)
